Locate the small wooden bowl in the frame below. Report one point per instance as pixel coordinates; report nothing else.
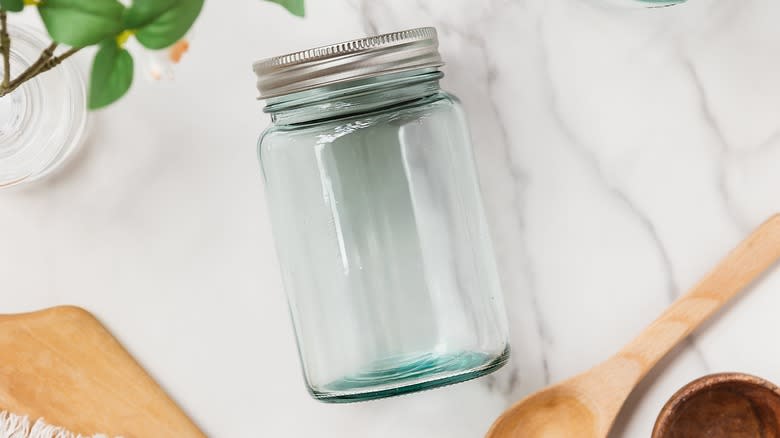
(728, 405)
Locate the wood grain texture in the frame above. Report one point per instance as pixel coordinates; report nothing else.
(586, 405)
(63, 365)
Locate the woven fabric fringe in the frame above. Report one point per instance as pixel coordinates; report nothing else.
(18, 426)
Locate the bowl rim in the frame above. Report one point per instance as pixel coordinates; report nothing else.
(662, 422)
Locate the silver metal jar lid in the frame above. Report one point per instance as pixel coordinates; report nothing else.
(362, 58)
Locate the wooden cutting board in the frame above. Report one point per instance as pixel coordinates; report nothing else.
(62, 365)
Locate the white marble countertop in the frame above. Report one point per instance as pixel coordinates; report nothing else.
(622, 153)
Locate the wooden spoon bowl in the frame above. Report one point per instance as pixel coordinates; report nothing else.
(728, 405)
(570, 413)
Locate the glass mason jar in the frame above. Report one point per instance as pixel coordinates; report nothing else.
(379, 228)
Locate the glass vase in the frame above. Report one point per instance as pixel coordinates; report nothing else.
(43, 121)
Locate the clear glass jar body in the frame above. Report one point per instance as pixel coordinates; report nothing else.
(380, 232)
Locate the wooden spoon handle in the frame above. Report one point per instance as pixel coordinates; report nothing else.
(741, 267)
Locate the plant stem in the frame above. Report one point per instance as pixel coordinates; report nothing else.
(45, 62)
(53, 62)
(5, 41)
(47, 54)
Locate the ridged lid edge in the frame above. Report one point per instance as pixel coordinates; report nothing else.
(345, 48)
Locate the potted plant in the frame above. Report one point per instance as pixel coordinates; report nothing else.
(156, 24)
(43, 100)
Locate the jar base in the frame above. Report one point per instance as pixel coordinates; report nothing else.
(398, 376)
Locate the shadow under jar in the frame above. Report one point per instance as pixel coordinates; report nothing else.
(379, 228)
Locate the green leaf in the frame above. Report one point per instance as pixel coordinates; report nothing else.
(12, 5)
(294, 6)
(80, 23)
(112, 74)
(143, 12)
(170, 26)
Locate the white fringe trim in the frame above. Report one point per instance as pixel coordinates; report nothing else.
(18, 426)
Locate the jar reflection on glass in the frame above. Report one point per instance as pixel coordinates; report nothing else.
(385, 251)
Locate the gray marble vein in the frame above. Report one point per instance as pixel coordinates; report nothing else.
(723, 148)
(520, 181)
(575, 145)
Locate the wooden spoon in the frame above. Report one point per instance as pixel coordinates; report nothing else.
(586, 405)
